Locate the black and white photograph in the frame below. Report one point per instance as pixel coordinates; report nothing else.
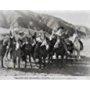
(49, 44)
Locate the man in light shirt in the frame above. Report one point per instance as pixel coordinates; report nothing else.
(39, 39)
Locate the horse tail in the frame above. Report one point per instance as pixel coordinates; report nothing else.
(81, 45)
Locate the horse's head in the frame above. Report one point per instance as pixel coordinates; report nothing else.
(56, 45)
(44, 43)
(33, 41)
(52, 36)
(11, 40)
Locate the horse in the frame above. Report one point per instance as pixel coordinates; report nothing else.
(17, 53)
(3, 49)
(69, 47)
(77, 46)
(51, 42)
(11, 46)
(41, 52)
(37, 53)
(8, 46)
(27, 50)
(60, 48)
(14, 48)
(20, 52)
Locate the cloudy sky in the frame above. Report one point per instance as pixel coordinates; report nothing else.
(74, 17)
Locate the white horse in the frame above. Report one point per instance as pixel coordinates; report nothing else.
(78, 45)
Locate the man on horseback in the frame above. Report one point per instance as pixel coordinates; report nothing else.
(44, 42)
(75, 44)
(11, 44)
(61, 34)
(41, 49)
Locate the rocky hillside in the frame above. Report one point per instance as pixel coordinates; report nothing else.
(37, 22)
(84, 30)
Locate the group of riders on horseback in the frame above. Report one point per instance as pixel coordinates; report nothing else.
(40, 48)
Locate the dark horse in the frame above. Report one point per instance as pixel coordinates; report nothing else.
(61, 49)
(26, 49)
(7, 46)
(51, 43)
(38, 53)
(3, 49)
(41, 52)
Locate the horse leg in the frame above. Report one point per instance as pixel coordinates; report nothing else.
(19, 62)
(24, 58)
(75, 55)
(25, 62)
(34, 60)
(62, 58)
(44, 62)
(14, 62)
(30, 61)
(49, 59)
(10, 55)
(56, 61)
(57, 56)
(78, 55)
(40, 63)
(2, 62)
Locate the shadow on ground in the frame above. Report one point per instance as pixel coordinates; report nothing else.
(73, 68)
